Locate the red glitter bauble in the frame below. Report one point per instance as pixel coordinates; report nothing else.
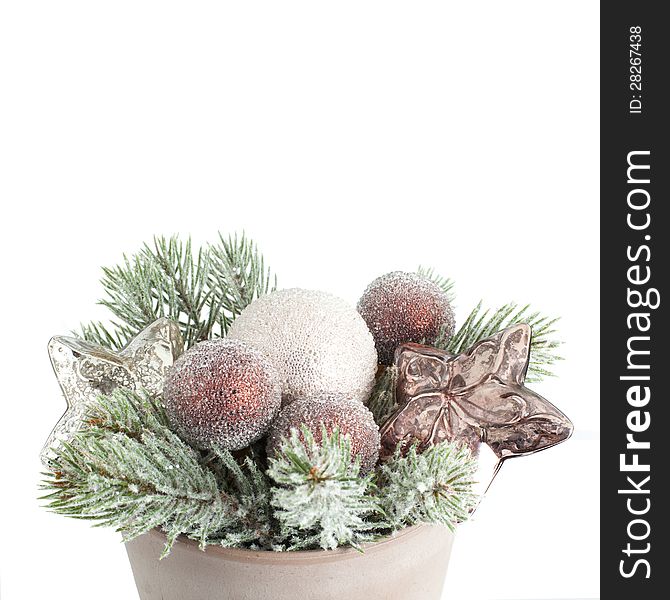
(351, 417)
(221, 392)
(405, 307)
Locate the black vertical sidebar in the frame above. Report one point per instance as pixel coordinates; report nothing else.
(635, 259)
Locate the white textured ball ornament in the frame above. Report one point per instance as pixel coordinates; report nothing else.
(221, 392)
(331, 411)
(317, 342)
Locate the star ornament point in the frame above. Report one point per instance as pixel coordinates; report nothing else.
(477, 398)
(86, 371)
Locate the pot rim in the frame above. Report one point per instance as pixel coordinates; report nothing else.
(297, 556)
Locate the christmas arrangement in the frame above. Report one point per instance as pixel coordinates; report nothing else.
(218, 407)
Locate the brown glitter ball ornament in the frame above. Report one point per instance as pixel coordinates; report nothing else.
(333, 411)
(221, 392)
(404, 307)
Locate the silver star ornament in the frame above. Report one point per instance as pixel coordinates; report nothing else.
(86, 371)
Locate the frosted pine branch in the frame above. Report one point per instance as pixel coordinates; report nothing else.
(203, 290)
(432, 487)
(382, 400)
(481, 324)
(446, 284)
(127, 470)
(238, 273)
(320, 499)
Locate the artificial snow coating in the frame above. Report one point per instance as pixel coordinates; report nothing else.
(333, 411)
(318, 343)
(402, 307)
(221, 392)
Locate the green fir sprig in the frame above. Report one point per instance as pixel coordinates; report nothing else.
(444, 283)
(127, 470)
(202, 291)
(481, 324)
(321, 499)
(382, 400)
(432, 487)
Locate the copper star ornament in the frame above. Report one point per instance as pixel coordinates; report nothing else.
(477, 398)
(85, 371)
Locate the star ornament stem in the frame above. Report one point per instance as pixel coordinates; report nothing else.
(86, 371)
(477, 398)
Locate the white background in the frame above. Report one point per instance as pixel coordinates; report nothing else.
(349, 139)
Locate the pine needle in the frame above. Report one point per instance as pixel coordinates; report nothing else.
(320, 500)
(382, 400)
(481, 324)
(202, 291)
(444, 283)
(432, 487)
(127, 470)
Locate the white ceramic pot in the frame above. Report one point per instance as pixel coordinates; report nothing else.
(408, 566)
